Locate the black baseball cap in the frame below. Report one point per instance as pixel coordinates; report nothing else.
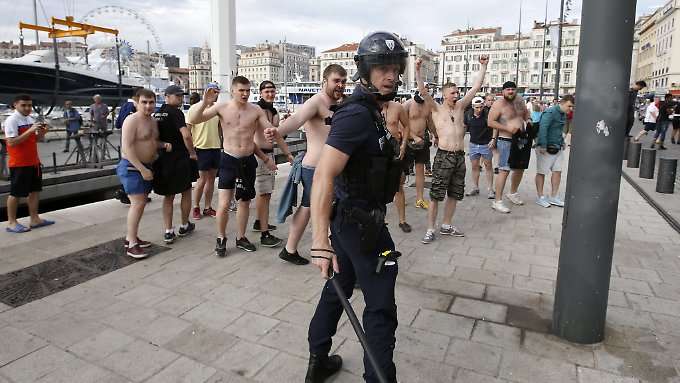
(509, 85)
(174, 89)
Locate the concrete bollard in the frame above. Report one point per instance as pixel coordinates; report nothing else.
(626, 142)
(634, 150)
(647, 163)
(665, 181)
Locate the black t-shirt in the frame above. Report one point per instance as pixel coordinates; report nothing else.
(353, 132)
(170, 119)
(480, 133)
(665, 109)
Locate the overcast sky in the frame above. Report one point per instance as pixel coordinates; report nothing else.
(324, 24)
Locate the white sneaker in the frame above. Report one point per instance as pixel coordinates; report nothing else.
(555, 201)
(543, 201)
(429, 237)
(515, 198)
(500, 207)
(492, 194)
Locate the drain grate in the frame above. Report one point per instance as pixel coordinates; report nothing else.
(38, 281)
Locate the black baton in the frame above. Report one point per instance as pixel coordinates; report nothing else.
(357, 326)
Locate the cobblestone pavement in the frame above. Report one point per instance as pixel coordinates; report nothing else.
(471, 310)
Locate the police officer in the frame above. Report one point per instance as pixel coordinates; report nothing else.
(357, 175)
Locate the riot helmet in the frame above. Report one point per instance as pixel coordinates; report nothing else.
(379, 48)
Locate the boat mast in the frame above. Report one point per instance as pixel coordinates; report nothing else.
(35, 21)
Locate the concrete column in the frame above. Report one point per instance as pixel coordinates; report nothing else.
(223, 43)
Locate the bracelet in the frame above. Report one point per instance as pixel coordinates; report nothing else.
(325, 250)
(320, 257)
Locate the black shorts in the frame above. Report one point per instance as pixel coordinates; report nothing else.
(173, 173)
(520, 153)
(208, 159)
(418, 156)
(238, 173)
(24, 180)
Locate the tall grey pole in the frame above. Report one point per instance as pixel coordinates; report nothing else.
(35, 21)
(559, 52)
(592, 195)
(519, 41)
(545, 32)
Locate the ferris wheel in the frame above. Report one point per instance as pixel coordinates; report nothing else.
(115, 11)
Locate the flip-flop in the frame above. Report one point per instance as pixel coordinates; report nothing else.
(18, 229)
(44, 222)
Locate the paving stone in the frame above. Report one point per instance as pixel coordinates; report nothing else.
(231, 295)
(40, 363)
(178, 304)
(630, 318)
(352, 357)
(87, 374)
(212, 315)
(496, 335)
(183, 370)
(345, 377)
(507, 267)
(139, 360)
(487, 277)
(245, 358)
(15, 343)
(454, 287)
(513, 297)
(145, 294)
(226, 377)
(670, 277)
(537, 285)
(654, 305)
(502, 255)
(162, 329)
(474, 356)
(418, 370)
(467, 261)
(297, 312)
(666, 324)
(131, 318)
(538, 260)
(588, 375)
(251, 326)
(203, 344)
(432, 268)
(266, 304)
(479, 309)
(4, 307)
(64, 330)
(544, 272)
(417, 298)
(30, 313)
(617, 298)
(421, 343)
(101, 345)
(666, 291)
(284, 368)
(290, 338)
(521, 367)
(630, 286)
(443, 323)
(549, 346)
(639, 274)
(467, 376)
(170, 278)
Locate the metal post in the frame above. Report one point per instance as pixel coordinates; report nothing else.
(545, 32)
(634, 150)
(626, 143)
(35, 21)
(587, 244)
(665, 182)
(519, 41)
(647, 163)
(559, 52)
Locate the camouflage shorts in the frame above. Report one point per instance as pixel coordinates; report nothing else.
(448, 175)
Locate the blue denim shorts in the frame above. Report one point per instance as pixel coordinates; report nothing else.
(503, 145)
(307, 175)
(131, 179)
(477, 151)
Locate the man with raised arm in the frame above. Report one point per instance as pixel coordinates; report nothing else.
(508, 115)
(139, 149)
(448, 168)
(397, 123)
(315, 114)
(239, 120)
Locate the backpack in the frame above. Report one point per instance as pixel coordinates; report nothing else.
(125, 110)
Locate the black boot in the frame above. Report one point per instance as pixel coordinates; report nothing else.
(321, 367)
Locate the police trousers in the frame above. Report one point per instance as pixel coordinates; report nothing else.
(380, 314)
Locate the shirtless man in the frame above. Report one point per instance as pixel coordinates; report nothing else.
(417, 150)
(139, 149)
(397, 123)
(264, 177)
(239, 121)
(508, 116)
(448, 168)
(315, 115)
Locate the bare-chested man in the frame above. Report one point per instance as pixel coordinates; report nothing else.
(397, 123)
(417, 150)
(508, 115)
(315, 115)
(448, 168)
(138, 151)
(265, 178)
(239, 121)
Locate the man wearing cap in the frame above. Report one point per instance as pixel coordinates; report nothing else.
(418, 147)
(480, 145)
(206, 137)
(508, 115)
(174, 170)
(448, 168)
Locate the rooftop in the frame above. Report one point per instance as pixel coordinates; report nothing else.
(348, 47)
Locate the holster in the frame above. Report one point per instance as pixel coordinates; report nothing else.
(371, 223)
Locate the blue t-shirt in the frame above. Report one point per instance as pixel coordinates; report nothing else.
(353, 132)
(72, 118)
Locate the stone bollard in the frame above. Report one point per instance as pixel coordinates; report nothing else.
(665, 182)
(647, 163)
(634, 150)
(625, 148)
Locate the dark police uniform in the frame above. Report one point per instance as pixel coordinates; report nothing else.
(173, 171)
(357, 132)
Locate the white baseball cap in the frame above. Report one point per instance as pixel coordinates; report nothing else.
(477, 101)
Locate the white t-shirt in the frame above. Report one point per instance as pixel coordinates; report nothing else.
(16, 123)
(651, 108)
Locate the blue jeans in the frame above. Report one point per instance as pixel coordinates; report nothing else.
(661, 129)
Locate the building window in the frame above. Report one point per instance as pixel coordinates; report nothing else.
(567, 77)
(457, 68)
